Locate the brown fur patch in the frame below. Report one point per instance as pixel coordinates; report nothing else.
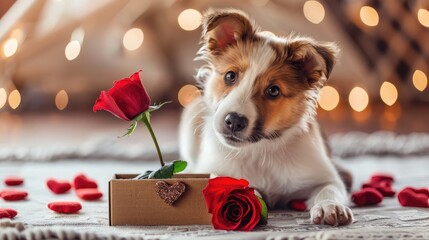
(284, 111)
(233, 59)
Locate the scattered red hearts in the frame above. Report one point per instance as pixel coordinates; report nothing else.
(58, 187)
(7, 213)
(367, 197)
(65, 207)
(13, 181)
(298, 205)
(414, 197)
(13, 194)
(382, 177)
(384, 186)
(82, 181)
(89, 194)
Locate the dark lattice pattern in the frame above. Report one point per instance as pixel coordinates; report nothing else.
(394, 48)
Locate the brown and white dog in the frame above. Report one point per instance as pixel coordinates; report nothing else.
(256, 118)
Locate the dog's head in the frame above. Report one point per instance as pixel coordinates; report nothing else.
(257, 85)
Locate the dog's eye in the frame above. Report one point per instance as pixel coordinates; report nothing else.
(230, 78)
(273, 91)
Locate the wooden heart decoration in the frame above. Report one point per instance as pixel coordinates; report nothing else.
(169, 193)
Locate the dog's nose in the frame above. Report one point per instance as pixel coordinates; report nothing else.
(235, 122)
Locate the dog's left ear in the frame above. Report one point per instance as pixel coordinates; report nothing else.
(224, 28)
(315, 60)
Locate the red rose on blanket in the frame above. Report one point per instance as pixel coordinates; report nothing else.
(233, 204)
(126, 99)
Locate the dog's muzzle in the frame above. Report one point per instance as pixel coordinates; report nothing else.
(235, 123)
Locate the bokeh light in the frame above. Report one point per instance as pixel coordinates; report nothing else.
(61, 100)
(358, 99)
(329, 98)
(72, 50)
(133, 39)
(18, 34)
(189, 19)
(10, 47)
(78, 34)
(388, 93)
(187, 94)
(423, 17)
(3, 97)
(314, 11)
(369, 16)
(14, 99)
(420, 80)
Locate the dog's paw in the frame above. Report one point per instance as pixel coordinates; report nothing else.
(331, 213)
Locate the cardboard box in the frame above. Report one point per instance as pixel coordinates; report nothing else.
(135, 202)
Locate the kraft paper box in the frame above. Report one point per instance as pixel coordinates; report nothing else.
(135, 202)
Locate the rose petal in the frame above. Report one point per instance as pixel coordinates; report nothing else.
(130, 96)
(220, 222)
(107, 103)
(219, 187)
(254, 215)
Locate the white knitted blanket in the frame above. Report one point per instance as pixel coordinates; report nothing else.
(388, 221)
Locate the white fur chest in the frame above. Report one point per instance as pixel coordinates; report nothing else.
(280, 169)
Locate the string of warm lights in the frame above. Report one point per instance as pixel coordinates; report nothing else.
(190, 20)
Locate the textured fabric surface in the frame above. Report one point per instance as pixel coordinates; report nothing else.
(404, 156)
(107, 147)
(36, 221)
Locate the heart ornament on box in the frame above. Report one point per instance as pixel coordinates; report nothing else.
(170, 193)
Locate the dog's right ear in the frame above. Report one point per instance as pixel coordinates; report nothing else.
(224, 28)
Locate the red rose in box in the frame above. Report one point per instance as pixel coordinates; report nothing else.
(145, 199)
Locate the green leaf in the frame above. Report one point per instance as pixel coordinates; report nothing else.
(168, 170)
(144, 175)
(130, 129)
(179, 165)
(164, 172)
(264, 212)
(156, 107)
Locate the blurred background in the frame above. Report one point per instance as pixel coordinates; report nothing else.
(57, 55)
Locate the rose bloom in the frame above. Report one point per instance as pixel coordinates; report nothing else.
(126, 99)
(233, 204)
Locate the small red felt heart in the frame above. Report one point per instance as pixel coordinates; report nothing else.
(424, 191)
(377, 177)
(411, 197)
(383, 186)
(298, 205)
(89, 194)
(58, 187)
(65, 207)
(367, 197)
(82, 181)
(13, 181)
(7, 213)
(13, 195)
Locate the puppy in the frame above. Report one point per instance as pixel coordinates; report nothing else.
(256, 118)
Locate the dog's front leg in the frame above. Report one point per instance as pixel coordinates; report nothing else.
(330, 206)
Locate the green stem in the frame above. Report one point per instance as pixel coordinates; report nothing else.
(146, 121)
